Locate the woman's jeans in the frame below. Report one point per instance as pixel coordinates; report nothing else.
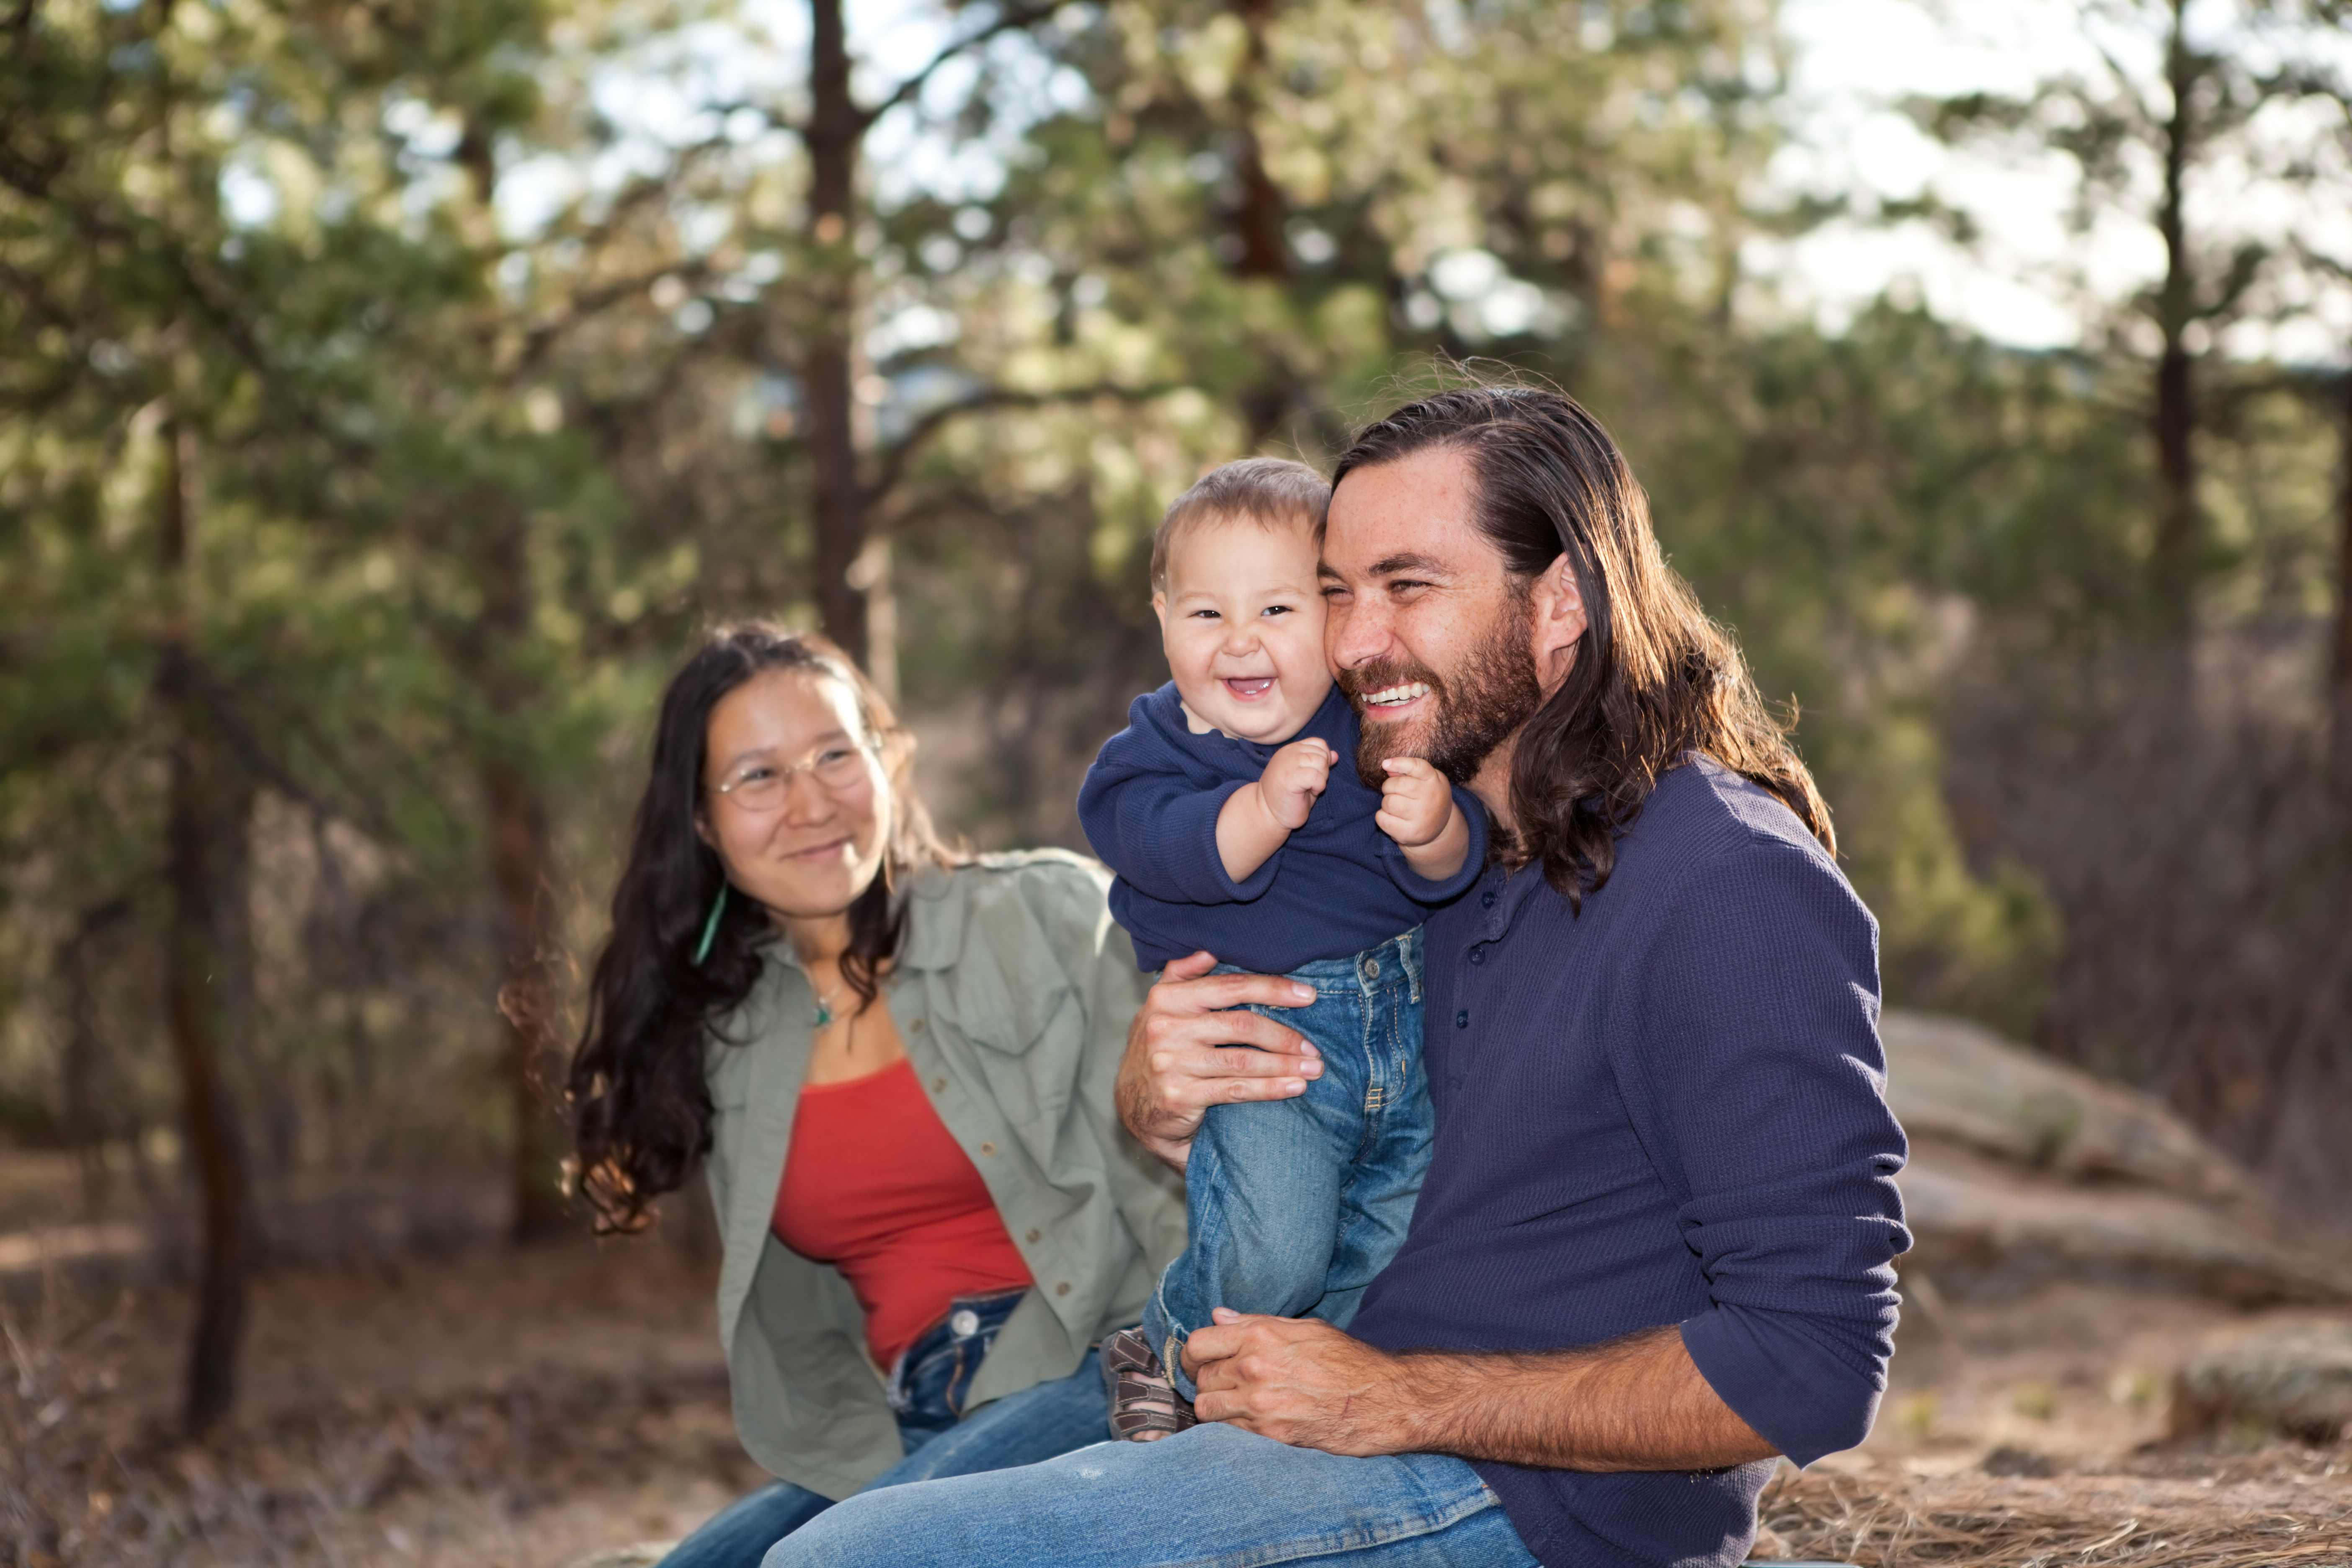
(1294, 1204)
(927, 1392)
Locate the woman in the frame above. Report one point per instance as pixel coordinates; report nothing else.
(897, 1062)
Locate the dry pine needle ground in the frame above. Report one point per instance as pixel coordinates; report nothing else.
(2283, 1508)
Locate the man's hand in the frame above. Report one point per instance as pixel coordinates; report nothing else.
(1183, 1052)
(1634, 1404)
(1302, 1382)
(1292, 778)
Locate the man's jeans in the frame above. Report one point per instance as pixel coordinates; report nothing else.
(926, 1390)
(1214, 1496)
(1294, 1204)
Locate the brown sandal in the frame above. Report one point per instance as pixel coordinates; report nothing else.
(1144, 1404)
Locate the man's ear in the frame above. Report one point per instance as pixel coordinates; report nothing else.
(1559, 622)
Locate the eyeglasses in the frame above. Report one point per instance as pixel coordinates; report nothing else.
(759, 786)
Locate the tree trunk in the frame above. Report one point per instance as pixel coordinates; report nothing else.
(207, 959)
(1260, 249)
(520, 857)
(521, 864)
(1258, 222)
(2341, 682)
(2173, 561)
(827, 380)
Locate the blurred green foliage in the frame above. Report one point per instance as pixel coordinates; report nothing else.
(489, 398)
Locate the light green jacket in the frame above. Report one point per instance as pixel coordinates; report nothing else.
(1012, 993)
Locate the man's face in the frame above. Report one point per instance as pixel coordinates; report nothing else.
(1429, 634)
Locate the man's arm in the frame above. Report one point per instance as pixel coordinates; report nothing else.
(1634, 1403)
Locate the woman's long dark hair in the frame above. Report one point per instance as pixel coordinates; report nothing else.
(640, 1105)
(1655, 679)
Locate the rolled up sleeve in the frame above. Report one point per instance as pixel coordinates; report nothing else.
(1763, 990)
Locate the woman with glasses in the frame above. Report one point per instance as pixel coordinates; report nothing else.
(897, 1063)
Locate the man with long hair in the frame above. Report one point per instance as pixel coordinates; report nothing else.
(1653, 1250)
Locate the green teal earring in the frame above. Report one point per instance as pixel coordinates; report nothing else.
(711, 926)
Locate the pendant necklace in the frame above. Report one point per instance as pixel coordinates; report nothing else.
(825, 1007)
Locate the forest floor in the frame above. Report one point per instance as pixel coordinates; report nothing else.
(542, 1406)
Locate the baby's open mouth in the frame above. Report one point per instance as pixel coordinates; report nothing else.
(1252, 689)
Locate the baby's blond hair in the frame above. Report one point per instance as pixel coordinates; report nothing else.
(1272, 492)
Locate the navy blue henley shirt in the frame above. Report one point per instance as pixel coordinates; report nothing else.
(1669, 1110)
(1336, 886)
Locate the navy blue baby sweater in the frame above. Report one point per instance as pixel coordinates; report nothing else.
(1339, 886)
(1669, 1110)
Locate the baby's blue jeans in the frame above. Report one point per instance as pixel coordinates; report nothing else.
(1295, 1204)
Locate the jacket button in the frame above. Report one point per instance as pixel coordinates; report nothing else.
(1063, 1289)
(1034, 1233)
(938, 1083)
(988, 1148)
(1462, 1020)
(916, 1024)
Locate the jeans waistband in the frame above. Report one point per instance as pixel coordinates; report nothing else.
(1399, 957)
(970, 1322)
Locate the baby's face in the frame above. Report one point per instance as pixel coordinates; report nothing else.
(1242, 621)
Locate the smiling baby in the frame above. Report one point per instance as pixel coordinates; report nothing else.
(1232, 809)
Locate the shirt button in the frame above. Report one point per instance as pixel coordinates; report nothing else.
(991, 1148)
(1485, 900)
(1063, 1289)
(1033, 1232)
(1462, 1019)
(1478, 955)
(964, 1324)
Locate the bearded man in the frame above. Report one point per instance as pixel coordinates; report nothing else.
(1654, 1249)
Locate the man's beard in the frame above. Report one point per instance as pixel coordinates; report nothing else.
(1478, 707)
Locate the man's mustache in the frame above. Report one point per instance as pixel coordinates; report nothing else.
(1359, 683)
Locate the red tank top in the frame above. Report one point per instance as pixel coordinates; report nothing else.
(876, 1187)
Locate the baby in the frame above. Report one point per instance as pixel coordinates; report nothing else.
(1232, 809)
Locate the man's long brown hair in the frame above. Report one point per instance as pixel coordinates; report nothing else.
(1655, 681)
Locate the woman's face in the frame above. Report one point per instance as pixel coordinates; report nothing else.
(810, 852)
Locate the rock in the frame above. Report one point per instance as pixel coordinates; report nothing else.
(1960, 1083)
(2293, 1378)
(1981, 1227)
(2007, 1461)
(2024, 1172)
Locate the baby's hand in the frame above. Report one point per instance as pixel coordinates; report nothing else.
(1416, 803)
(1294, 776)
